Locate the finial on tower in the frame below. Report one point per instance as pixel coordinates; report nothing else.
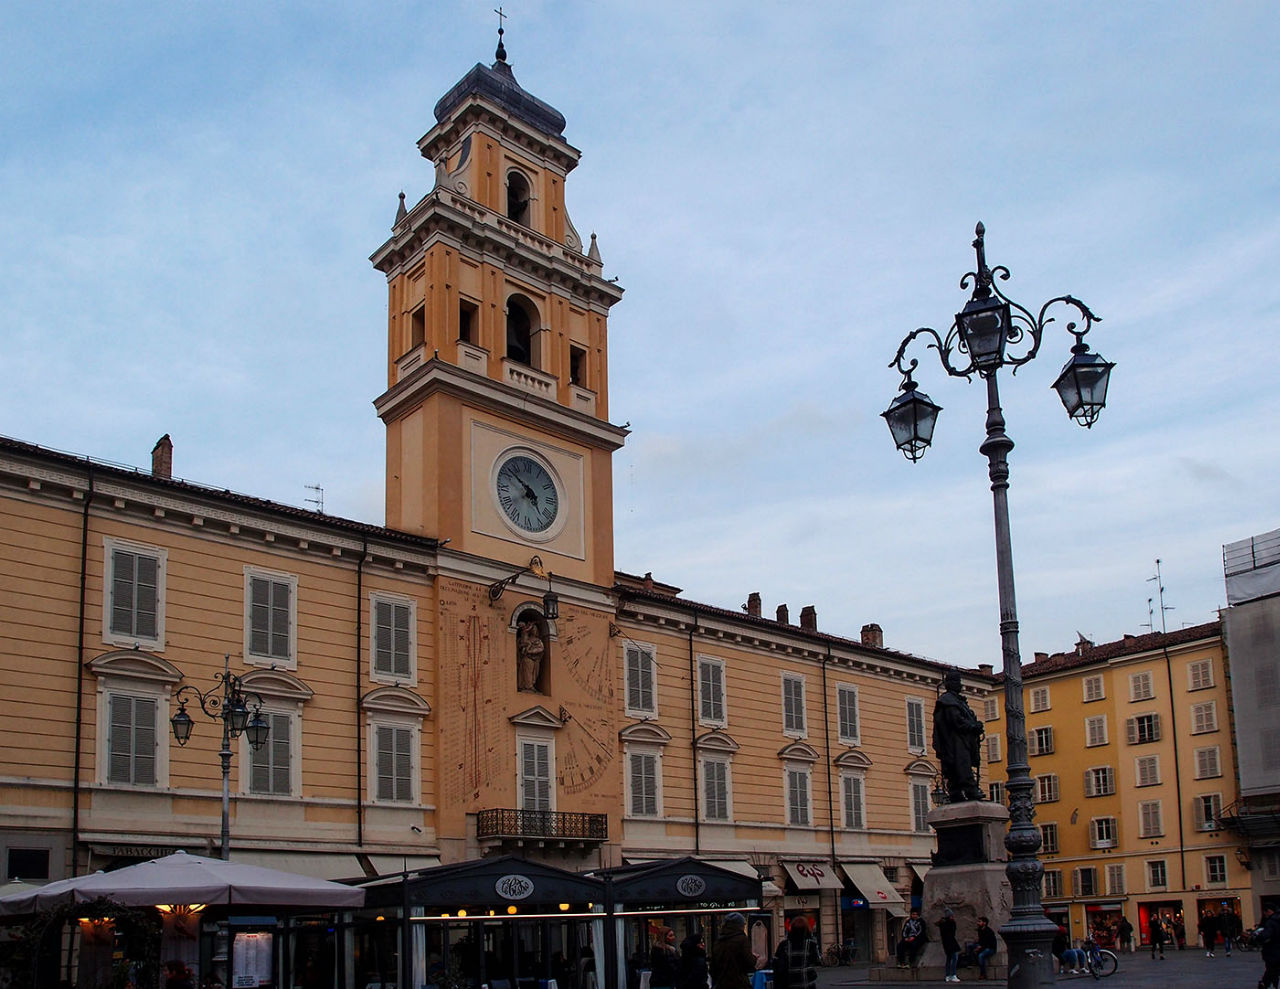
(501, 53)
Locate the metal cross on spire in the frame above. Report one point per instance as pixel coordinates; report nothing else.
(501, 53)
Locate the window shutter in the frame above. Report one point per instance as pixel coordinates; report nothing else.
(278, 743)
(400, 639)
(383, 659)
(145, 597)
(1155, 727)
(120, 743)
(1089, 786)
(1131, 730)
(385, 762)
(259, 616)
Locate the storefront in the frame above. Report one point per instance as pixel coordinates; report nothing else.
(1101, 920)
(1170, 912)
(875, 909)
(813, 891)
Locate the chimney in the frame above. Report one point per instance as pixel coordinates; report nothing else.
(873, 635)
(784, 615)
(985, 669)
(648, 581)
(809, 618)
(162, 457)
(1041, 657)
(753, 604)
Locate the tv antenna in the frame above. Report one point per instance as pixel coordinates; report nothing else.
(318, 500)
(1159, 579)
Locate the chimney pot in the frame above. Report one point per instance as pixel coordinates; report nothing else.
(648, 581)
(873, 635)
(985, 668)
(784, 615)
(753, 604)
(162, 457)
(809, 618)
(1041, 657)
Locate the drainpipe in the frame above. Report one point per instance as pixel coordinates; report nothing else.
(364, 551)
(75, 772)
(693, 735)
(831, 806)
(1177, 765)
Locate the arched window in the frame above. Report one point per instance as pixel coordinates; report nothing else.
(518, 196)
(519, 332)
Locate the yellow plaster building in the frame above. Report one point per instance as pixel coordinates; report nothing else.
(1131, 749)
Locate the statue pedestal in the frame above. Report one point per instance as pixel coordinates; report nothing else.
(968, 876)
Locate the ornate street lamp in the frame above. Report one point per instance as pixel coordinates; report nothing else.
(227, 701)
(977, 343)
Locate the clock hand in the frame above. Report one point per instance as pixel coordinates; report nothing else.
(530, 494)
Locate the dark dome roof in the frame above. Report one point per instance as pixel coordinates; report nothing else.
(498, 83)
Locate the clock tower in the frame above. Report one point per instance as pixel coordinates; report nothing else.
(497, 401)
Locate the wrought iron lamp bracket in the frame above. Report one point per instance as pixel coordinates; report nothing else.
(498, 587)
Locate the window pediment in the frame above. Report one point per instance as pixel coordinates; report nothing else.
(135, 665)
(716, 741)
(395, 700)
(536, 717)
(645, 731)
(277, 685)
(853, 759)
(798, 752)
(920, 767)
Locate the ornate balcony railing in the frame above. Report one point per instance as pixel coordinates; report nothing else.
(541, 825)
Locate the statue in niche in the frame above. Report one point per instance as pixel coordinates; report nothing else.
(957, 736)
(531, 647)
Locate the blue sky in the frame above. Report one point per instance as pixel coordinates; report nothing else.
(190, 192)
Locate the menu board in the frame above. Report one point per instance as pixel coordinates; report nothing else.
(251, 960)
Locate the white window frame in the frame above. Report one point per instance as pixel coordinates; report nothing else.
(136, 690)
(1077, 880)
(1095, 731)
(726, 763)
(990, 709)
(643, 752)
(1053, 884)
(394, 601)
(1040, 699)
(1094, 688)
(846, 703)
(1208, 808)
(1208, 870)
(271, 712)
(793, 686)
(110, 546)
(288, 661)
(383, 720)
(992, 743)
(1097, 827)
(919, 803)
(538, 739)
(1146, 770)
(646, 667)
(1141, 686)
(1200, 674)
(854, 817)
(1133, 730)
(915, 714)
(1047, 782)
(1099, 781)
(1157, 874)
(1204, 771)
(805, 771)
(1040, 740)
(1204, 717)
(1150, 819)
(715, 697)
(1047, 829)
(996, 792)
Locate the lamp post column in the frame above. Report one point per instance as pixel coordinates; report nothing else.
(1028, 934)
(225, 756)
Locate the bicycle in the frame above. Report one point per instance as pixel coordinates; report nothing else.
(1101, 962)
(839, 954)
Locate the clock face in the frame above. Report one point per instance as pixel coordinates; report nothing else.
(527, 494)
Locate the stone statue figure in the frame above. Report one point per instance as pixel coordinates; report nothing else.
(529, 652)
(957, 734)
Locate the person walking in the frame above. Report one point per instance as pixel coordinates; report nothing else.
(1268, 935)
(1229, 927)
(950, 946)
(912, 940)
(692, 973)
(1208, 927)
(732, 961)
(1124, 935)
(1156, 934)
(664, 960)
(795, 963)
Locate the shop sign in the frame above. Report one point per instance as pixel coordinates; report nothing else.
(799, 903)
(135, 851)
(852, 903)
(691, 886)
(811, 870)
(514, 887)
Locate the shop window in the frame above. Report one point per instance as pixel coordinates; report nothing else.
(27, 864)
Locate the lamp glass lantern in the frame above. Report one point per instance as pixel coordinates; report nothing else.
(237, 714)
(257, 730)
(984, 328)
(181, 723)
(551, 606)
(911, 417)
(1082, 385)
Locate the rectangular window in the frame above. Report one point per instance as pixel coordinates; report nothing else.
(920, 806)
(993, 748)
(915, 725)
(1215, 869)
(990, 709)
(847, 703)
(1052, 883)
(1147, 770)
(1157, 874)
(715, 789)
(535, 775)
(711, 691)
(1040, 741)
(271, 766)
(640, 677)
(1039, 699)
(995, 792)
(393, 763)
(1204, 717)
(1102, 832)
(135, 583)
(270, 618)
(577, 366)
(1208, 765)
(798, 797)
(1140, 688)
(1093, 688)
(1151, 819)
(1200, 674)
(27, 864)
(1143, 728)
(392, 638)
(1270, 865)
(1100, 781)
(131, 744)
(1049, 839)
(1046, 789)
(644, 784)
(1115, 880)
(793, 721)
(853, 810)
(1085, 881)
(1095, 730)
(1208, 807)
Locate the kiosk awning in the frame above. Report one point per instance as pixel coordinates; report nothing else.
(675, 882)
(314, 864)
(874, 887)
(813, 875)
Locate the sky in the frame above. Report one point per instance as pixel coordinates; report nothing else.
(189, 193)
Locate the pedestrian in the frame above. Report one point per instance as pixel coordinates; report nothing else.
(1208, 928)
(1230, 927)
(177, 975)
(985, 945)
(795, 963)
(664, 960)
(1179, 933)
(1071, 960)
(732, 961)
(950, 946)
(911, 940)
(1268, 935)
(1124, 935)
(692, 973)
(1156, 933)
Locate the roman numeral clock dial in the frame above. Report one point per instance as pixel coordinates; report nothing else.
(527, 494)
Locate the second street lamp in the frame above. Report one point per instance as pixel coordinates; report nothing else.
(977, 343)
(227, 701)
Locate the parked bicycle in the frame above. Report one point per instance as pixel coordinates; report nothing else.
(1100, 962)
(840, 954)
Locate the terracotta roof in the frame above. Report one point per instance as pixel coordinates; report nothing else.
(1088, 654)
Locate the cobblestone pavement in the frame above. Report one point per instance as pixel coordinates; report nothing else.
(1187, 969)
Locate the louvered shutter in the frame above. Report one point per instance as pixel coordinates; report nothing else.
(400, 639)
(144, 741)
(1131, 730)
(259, 616)
(279, 618)
(122, 574)
(120, 743)
(1090, 786)
(146, 593)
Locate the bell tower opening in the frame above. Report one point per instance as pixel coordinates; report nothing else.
(519, 332)
(518, 197)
